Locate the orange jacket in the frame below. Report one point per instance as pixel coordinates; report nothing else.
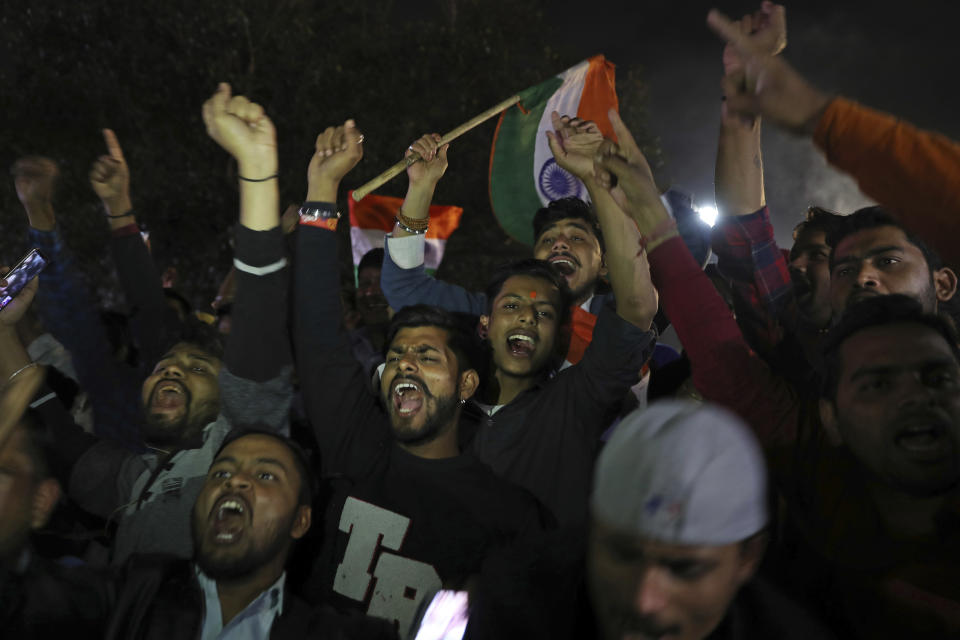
(914, 174)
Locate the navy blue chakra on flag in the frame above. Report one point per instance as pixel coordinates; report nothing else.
(556, 182)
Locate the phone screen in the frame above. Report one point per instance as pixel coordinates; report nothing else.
(18, 277)
(446, 617)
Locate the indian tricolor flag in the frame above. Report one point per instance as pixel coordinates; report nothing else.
(373, 217)
(523, 174)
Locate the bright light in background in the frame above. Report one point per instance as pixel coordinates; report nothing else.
(707, 213)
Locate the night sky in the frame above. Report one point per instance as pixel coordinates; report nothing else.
(898, 57)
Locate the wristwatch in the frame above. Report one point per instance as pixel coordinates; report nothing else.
(314, 211)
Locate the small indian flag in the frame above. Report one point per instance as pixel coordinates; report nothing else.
(523, 174)
(373, 217)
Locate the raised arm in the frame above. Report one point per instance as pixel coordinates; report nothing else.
(256, 386)
(20, 381)
(743, 238)
(19, 378)
(739, 170)
(339, 405)
(69, 312)
(725, 370)
(153, 321)
(914, 173)
(403, 279)
(574, 144)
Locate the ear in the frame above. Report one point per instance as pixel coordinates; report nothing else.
(604, 271)
(483, 327)
(751, 554)
(944, 283)
(828, 416)
(301, 523)
(45, 499)
(469, 381)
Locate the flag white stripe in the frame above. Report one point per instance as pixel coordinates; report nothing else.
(363, 240)
(565, 101)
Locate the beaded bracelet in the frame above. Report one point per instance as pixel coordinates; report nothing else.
(416, 232)
(413, 225)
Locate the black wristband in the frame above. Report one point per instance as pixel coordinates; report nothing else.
(122, 215)
(276, 175)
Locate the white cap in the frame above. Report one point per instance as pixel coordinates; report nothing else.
(682, 473)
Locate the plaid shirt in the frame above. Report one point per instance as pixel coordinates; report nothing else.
(749, 258)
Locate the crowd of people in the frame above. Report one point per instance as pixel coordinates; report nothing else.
(429, 462)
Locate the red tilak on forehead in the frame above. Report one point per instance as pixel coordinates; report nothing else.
(533, 294)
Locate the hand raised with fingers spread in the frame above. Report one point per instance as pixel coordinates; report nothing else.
(639, 197)
(574, 143)
(338, 150)
(11, 314)
(428, 171)
(768, 87)
(110, 177)
(243, 129)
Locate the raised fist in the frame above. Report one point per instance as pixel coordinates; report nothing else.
(338, 150)
(243, 129)
(433, 165)
(35, 178)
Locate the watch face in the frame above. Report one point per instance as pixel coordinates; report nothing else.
(312, 214)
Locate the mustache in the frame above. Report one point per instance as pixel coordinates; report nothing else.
(565, 254)
(183, 388)
(411, 378)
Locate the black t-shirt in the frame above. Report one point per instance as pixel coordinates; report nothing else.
(397, 526)
(412, 526)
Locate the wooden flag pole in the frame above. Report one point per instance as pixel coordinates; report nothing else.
(401, 166)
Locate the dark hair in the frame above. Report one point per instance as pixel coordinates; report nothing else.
(459, 327)
(372, 258)
(570, 207)
(878, 311)
(200, 334)
(871, 218)
(185, 307)
(537, 269)
(817, 219)
(302, 459)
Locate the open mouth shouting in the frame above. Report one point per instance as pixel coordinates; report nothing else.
(407, 395)
(522, 343)
(169, 395)
(925, 440)
(230, 515)
(565, 264)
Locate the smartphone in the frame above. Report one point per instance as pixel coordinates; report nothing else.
(446, 617)
(18, 277)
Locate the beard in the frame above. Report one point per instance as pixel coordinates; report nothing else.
(229, 564)
(436, 418)
(161, 431)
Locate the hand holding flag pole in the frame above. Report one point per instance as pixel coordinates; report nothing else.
(401, 166)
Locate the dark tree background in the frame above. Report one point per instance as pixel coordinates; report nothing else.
(144, 69)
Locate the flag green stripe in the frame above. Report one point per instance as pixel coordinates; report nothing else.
(513, 193)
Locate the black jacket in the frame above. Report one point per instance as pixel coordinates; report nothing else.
(153, 597)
